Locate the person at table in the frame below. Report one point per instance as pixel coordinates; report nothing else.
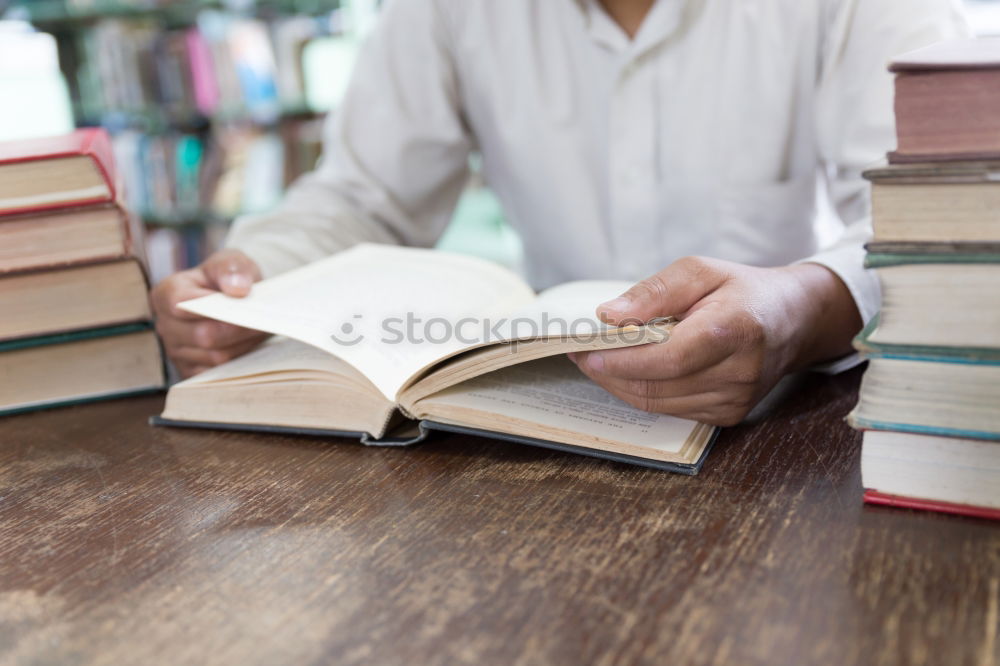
(686, 145)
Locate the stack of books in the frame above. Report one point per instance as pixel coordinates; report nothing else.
(75, 315)
(930, 399)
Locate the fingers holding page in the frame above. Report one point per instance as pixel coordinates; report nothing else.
(231, 272)
(672, 292)
(695, 344)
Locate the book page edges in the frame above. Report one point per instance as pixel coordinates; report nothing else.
(687, 468)
(388, 439)
(425, 428)
(491, 356)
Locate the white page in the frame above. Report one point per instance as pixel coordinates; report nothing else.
(567, 309)
(275, 356)
(355, 303)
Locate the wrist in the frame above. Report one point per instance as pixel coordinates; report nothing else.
(825, 315)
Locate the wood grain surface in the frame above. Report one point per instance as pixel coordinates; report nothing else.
(126, 544)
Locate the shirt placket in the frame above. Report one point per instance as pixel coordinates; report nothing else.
(633, 168)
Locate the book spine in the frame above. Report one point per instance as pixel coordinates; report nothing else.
(898, 501)
(98, 147)
(890, 260)
(860, 423)
(957, 355)
(900, 157)
(82, 401)
(874, 350)
(206, 88)
(75, 336)
(941, 249)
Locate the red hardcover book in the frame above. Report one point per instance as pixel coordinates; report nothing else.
(57, 172)
(68, 236)
(884, 499)
(948, 102)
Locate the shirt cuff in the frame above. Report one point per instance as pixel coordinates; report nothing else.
(842, 364)
(848, 263)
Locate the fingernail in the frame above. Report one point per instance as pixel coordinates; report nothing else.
(572, 356)
(618, 305)
(596, 361)
(236, 281)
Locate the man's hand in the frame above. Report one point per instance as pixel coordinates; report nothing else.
(741, 330)
(194, 343)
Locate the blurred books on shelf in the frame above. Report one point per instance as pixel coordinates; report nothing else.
(930, 399)
(207, 102)
(216, 106)
(76, 322)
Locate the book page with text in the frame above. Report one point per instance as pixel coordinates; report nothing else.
(554, 394)
(388, 311)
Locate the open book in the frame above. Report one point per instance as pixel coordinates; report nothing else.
(380, 342)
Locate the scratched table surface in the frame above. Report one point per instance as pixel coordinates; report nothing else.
(126, 544)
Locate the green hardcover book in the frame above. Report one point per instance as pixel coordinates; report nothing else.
(82, 366)
(937, 390)
(939, 298)
(891, 255)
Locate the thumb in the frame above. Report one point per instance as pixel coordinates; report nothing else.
(671, 292)
(231, 272)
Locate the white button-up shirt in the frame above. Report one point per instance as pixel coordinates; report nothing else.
(719, 130)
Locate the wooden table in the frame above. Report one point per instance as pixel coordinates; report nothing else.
(125, 544)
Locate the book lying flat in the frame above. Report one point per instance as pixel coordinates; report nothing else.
(79, 367)
(68, 236)
(56, 172)
(947, 97)
(944, 296)
(69, 299)
(378, 340)
(946, 391)
(944, 202)
(948, 474)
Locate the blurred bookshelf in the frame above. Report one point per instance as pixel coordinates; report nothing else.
(214, 106)
(49, 12)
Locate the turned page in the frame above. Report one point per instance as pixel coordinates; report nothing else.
(559, 320)
(552, 394)
(564, 310)
(275, 356)
(388, 311)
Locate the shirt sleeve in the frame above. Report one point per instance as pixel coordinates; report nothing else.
(855, 119)
(395, 157)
